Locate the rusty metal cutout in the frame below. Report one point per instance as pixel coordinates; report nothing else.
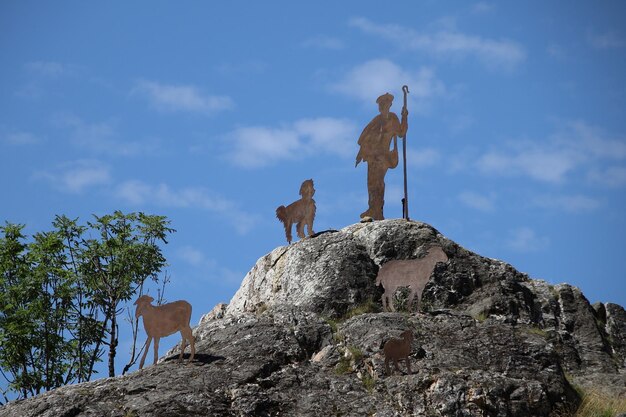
(164, 320)
(412, 273)
(398, 349)
(301, 212)
(374, 143)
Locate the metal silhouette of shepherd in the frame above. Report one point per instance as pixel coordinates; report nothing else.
(164, 320)
(301, 212)
(374, 145)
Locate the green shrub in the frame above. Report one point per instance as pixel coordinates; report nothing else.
(343, 367)
(538, 331)
(369, 306)
(368, 382)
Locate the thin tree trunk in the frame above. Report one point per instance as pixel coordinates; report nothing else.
(112, 343)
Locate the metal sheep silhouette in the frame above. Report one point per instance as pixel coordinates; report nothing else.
(412, 273)
(164, 320)
(398, 349)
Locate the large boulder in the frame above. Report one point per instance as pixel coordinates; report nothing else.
(296, 340)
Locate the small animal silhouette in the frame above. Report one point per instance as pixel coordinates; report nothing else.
(412, 273)
(301, 212)
(398, 349)
(164, 320)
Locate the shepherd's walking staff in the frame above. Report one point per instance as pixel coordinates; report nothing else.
(405, 200)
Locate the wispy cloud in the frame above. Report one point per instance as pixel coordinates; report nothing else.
(607, 40)
(77, 176)
(556, 51)
(50, 68)
(483, 7)
(525, 239)
(181, 98)
(20, 138)
(533, 160)
(245, 68)
(614, 176)
(259, 146)
(420, 158)
(577, 147)
(570, 203)
(480, 202)
(191, 255)
(500, 53)
(140, 193)
(371, 79)
(207, 266)
(324, 42)
(460, 123)
(100, 137)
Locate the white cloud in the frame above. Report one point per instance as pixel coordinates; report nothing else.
(477, 201)
(49, 68)
(614, 176)
(324, 42)
(461, 123)
(20, 138)
(576, 147)
(371, 79)
(139, 193)
(258, 146)
(483, 7)
(571, 203)
(502, 53)
(608, 40)
(192, 255)
(207, 267)
(556, 51)
(540, 164)
(101, 138)
(181, 98)
(326, 134)
(524, 239)
(419, 157)
(75, 177)
(591, 140)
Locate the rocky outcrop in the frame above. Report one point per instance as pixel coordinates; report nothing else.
(303, 337)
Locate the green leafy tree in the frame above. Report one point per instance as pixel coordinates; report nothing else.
(118, 262)
(61, 294)
(17, 331)
(86, 325)
(49, 311)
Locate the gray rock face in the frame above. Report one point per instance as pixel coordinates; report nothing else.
(327, 275)
(488, 341)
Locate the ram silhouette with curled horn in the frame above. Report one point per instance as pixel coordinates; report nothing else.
(411, 273)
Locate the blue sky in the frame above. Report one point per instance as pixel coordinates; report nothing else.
(212, 114)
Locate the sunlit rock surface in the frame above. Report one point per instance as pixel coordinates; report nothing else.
(296, 340)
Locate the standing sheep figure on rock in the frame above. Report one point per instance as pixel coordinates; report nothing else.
(398, 349)
(164, 320)
(411, 273)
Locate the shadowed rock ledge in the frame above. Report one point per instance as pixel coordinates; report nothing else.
(303, 336)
